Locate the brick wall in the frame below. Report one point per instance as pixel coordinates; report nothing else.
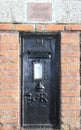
(9, 77)
(10, 67)
(70, 87)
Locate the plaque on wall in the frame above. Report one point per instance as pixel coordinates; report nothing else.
(39, 11)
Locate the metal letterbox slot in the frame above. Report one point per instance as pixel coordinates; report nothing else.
(40, 80)
(39, 54)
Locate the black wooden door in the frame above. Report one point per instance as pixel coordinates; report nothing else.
(40, 80)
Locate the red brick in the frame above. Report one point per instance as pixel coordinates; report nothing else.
(73, 27)
(66, 67)
(71, 54)
(14, 114)
(4, 100)
(14, 34)
(12, 53)
(4, 34)
(9, 94)
(67, 80)
(12, 127)
(13, 60)
(11, 80)
(13, 73)
(74, 67)
(64, 47)
(9, 98)
(75, 47)
(66, 100)
(9, 53)
(75, 87)
(75, 128)
(4, 127)
(6, 27)
(18, 127)
(1, 113)
(66, 113)
(4, 87)
(75, 119)
(65, 74)
(3, 53)
(65, 60)
(65, 87)
(75, 114)
(9, 107)
(24, 27)
(70, 40)
(14, 100)
(75, 101)
(70, 34)
(54, 27)
(70, 107)
(65, 121)
(75, 60)
(40, 27)
(75, 123)
(10, 40)
(2, 79)
(4, 46)
(70, 94)
(3, 73)
(5, 60)
(11, 67)
(11, 121)
(13, 47)
(70, 80)
(13, 87)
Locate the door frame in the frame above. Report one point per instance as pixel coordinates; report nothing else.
(23, 35)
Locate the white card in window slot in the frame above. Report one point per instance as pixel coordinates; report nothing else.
(38, 70)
